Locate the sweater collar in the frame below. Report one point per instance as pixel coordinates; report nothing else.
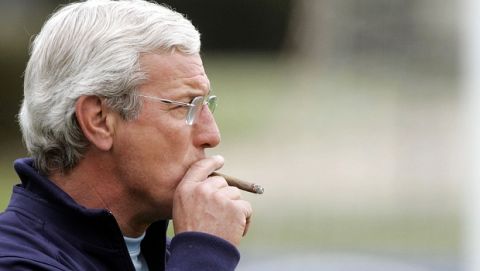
(34, 181)
(41, 198)
(54, 206)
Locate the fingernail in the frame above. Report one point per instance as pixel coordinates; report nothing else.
(218, 157)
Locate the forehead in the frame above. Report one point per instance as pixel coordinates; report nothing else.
(168, 71)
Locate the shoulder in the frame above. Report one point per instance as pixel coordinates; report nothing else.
(20, 263)
(23, 248)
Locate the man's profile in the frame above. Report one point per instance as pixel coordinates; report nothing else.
(117, 114)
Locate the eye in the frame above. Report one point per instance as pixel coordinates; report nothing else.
(177, 107)
(178, 111)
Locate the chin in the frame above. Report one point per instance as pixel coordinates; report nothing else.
(161, 212)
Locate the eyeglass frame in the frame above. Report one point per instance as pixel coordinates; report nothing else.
(192, 113)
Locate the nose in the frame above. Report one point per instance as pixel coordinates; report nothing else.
(205, 129)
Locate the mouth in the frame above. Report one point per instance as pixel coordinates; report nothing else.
(198, 156)
(190, 161)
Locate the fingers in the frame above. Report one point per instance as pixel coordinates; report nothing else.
(208, 204)
(219, 186)
(247, 210)
(216, 182)
(231, 192)
(200, 170)
(247, 226)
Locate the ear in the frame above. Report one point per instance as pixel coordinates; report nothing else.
(96, 121)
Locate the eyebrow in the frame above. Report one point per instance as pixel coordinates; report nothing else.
(198, 84)
(197, 90)
(190, 93)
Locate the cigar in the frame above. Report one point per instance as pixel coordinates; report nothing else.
(243, 185)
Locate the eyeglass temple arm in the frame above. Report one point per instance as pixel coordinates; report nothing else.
(167, 101)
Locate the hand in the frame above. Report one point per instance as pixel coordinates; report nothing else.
(209, 205)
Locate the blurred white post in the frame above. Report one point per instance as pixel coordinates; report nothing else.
(470, 57)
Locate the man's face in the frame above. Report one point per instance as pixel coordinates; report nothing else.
(153, 152)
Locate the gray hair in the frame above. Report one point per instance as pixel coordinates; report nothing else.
(91, 48)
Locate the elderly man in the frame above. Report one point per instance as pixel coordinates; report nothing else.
(117, 115)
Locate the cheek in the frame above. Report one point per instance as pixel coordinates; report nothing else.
(151, 162)
(162, 149)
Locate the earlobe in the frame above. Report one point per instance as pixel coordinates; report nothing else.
(95, 121)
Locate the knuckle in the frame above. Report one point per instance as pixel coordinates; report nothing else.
(217, 179)
(236, 190)
(234, 193)
(222, 182)
(247, 208)
(202, 188)
(220, 198)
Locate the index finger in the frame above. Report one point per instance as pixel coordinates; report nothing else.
(201, 169)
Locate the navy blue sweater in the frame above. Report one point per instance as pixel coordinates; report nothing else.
(43, 228)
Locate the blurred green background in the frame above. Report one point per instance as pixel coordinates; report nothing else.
(347, 112)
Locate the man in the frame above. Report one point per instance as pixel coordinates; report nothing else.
(117, 114)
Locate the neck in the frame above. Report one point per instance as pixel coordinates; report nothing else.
(97, 187)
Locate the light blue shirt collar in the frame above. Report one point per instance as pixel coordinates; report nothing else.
(134, 249)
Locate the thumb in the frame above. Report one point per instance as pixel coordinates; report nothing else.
(200, 170)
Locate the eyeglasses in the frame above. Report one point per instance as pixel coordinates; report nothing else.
(194, 107)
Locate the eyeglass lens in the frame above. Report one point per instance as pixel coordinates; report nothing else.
(198, 103)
